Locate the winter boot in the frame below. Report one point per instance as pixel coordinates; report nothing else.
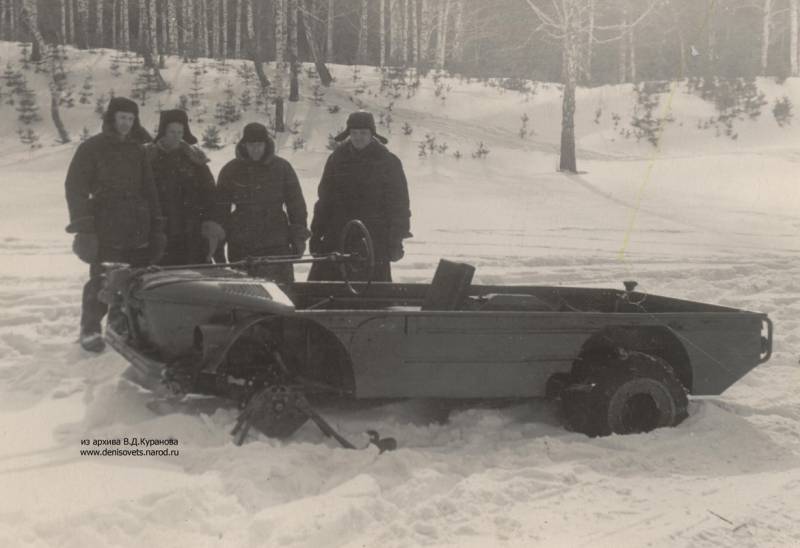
(93, 342)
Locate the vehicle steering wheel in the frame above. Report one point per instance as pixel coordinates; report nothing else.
(356, 242)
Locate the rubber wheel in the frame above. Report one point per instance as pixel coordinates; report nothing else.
(626, 395)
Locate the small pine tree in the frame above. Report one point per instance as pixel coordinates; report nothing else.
(407, 129)
(29, 137)
(85, 134)
(246, 99)
(196, 90)
(183, 103)
(211, 138)
(782, 110)
(228, 111)
(481, 152)
(27, 109)
(298, 144)
(86, 92)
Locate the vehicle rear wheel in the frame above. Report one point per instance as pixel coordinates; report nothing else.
(630, 394)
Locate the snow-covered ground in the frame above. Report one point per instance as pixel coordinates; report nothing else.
(701, 217)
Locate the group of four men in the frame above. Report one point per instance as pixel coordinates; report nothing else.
(145, 202)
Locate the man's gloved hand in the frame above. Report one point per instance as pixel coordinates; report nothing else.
(157, 247)
(396, 252)
(315, 244)
(214, 235)
(86, 246)
(299, 246)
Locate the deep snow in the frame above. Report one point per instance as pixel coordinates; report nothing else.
(701, 217)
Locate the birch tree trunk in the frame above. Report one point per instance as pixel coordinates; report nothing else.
(622, 67)
(63, 20)
(382, 30)
(394, 31)
(203, 28)
(414, 34)
(587, 61)
(28, 12)
(172, 26)
(153, 32)
(83, 16)
(793, 53)
(125, 28)
(99, 34)
(237, 31)
(216, 52)
(765, 30)
(142, 24)
(4, 19)
(361, 57)
(441, 44)
(224, 51)
(458, 32)
(404, 33)
(280, 65)
(294, 85)
(250, 22)
(567, 160)
(188, 48)
(325, 77)
(162, 18)
(425, 30)
(632, 55)
(329, 36)
(114, 42)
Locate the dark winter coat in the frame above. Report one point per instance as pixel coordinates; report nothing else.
(110, 190)
(260, 205)
(186, 193)
(369, 185)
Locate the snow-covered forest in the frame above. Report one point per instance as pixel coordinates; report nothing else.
(684, 179)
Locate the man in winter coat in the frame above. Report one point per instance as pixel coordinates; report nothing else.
(185, 191)
(362, 180)
(260, 205)
(113, 207)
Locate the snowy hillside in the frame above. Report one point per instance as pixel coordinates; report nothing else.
(698, 216)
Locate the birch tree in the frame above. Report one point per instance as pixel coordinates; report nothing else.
(57, 76)
(224, 51)
(793, 53)
(425, 30)
(765, 31)
(458, 31)
(329, 36)
(382, 31)
(125, 28)
(153, 30)
(237, 31)
(99, 34)
(566, 22)
(414, 30)
(311, 33)
(404, 33)
(250, 20)
(280, 64)
(361, 56)
(83, 16)
(441, 33)
(294, 85)
(215, 47)
(172, 26)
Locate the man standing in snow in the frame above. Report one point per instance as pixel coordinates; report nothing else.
(113, 207)
(260, 205)
(185, 191)
(362, 180)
